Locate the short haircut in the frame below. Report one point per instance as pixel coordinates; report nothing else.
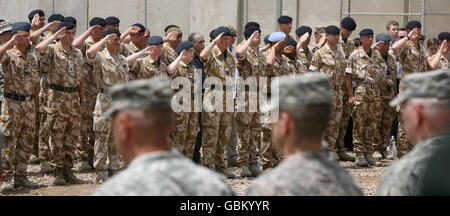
(391, 22)
(357, 42)
(432, 42)
(191, 37)
(309, 121)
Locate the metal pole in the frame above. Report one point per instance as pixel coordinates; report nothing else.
(340, 10)
(278, 12)
(240, 21)
(423, 17)
(53, 6)
(246, 11)
(145, 11)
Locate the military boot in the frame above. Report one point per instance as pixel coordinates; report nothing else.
(59, 177)
(34, 159)
(102, 176)
(256, 171)
(370, 159)
(245, 171)
(70, 177)
(45, 167)
(25, 183)
(7, 185)
(361, 160)
(345, 157)
(84, 166)
(386, 155)
(225, 172)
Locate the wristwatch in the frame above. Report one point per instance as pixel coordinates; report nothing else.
(408, 37)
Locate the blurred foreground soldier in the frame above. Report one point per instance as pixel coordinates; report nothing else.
(425, 104)
(18, 116)
(142, 120)
(216, 120)
(304, 54)
(171, 40)
(251, 64)
(110, 68)
(112, 22)
(150, 65)
(65, 100)
(363, 69)
(386, 114)
(285, 24)
(298, 132)
(413, 59)
(331, 60)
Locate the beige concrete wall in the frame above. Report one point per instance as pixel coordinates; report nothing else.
(74, 8)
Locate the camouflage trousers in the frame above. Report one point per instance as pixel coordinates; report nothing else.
(215, 135)
(364, 122)
(18, 122)
(85, 149)
(346, 113)
(64, 133)
(269, 156)
(231, 150)
(44, 132)
(385, 116)
(185, 133)
(334, 123)
(248, 129)
(403, 145)
(106, 156)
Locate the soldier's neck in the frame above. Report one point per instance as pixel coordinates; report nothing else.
(112, 51)
(302, 147)
(332, 46)
(367, 49)
(66, 47)
(22, 50)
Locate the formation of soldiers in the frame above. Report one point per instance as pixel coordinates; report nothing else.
(56, 101)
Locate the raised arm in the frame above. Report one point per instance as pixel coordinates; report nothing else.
(78, 42)
(132, 29)
(44, 44)
(413, 35)
(272, 54)
(302, 41)
(173, 66)
(242, 49)
(9, 44)
(132, 58)
(434, 63)
(49, 27)
(204, 54)
(91, 52)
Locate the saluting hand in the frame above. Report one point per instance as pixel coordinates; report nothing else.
(54, 25)
(110, 38)
(255, 37)
(60, 33)
(378, 45)
(304, 37)
(35, 22)
(172, 36)
(444, 47)
(148, 50)
(414, 34)
(134, 29)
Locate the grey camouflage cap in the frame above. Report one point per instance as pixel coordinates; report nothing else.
(149, 94)
(434, 84)
(5, 26)
(301, 90)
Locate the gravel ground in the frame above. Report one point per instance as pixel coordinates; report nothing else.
(369, 179)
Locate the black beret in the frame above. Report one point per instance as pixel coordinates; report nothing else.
(97, 21)
(290, 42)
(34, 12)
(444, 36)
(141, 27)
(211, 34)
(251, 24)
(226, 31)
(154, 40)
(266, 39)
(332, 29)
(56, 17)
(365, 32)
(111, 31)
(21, 26)
(1, 20)
(302, 30)
(383, 37)
(413, 24)
(111, 20)
(185, 45)
(169, 26)
(348, 23)
(70, 19)
(249, 31)
(422, 37)
(284, 19)
(68, 26)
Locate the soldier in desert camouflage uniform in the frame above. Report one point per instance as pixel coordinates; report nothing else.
(290, 56)
(18, 116)
(149, 66)
(440, 59)
(109, 68)
(137, 43)
(363, 68)
(413, 59)
(304, 54)
(331, 60)
(142, 113)
(251, 64)
(276, 66)
(305, 170)
(172, 39)
(219, 63)
(186, 122)
(65, 98)
(347, 45)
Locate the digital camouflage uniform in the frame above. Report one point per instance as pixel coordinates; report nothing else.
(304, 58)
(168, 55)
(64, 109)
(306, 174)
(366, 73)
(332, 63)
(386, 114)
(216, 124)
(347, 48)
(248, 124)
(18, 116)
(443, 62)
(186, 123)
(108, 71)
(146, 68)
(413, 59)
(164, 174)
(269, 156)
(85, 149)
